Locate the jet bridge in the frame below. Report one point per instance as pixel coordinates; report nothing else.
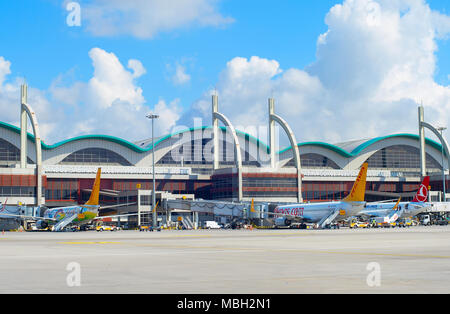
(209, 207)
(205, 208)
(190, 209)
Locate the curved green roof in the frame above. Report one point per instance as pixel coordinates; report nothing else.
(364, 145)
(259, 143)
(123, 142)
(361, 147)
(250, 137)
(84, 137)
(331, 147)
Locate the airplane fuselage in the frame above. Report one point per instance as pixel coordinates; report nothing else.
(85, 214)
(410, 209)
(315, 212)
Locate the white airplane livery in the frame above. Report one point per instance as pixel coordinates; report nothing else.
(392, 211)
(326, 213)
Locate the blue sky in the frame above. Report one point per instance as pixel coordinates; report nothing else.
(40, 46)
(286, 32)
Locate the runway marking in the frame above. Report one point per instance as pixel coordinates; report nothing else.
(191, 236)
(281, 233)
(368, 253)
(255, 249)
(91, 242)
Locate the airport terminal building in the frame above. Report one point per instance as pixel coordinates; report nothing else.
(213, 163)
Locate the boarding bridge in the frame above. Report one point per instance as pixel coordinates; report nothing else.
(439, 207)
(214, 208)
(186, 206)
(209, 207)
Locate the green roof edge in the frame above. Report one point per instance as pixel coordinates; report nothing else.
(123, 142)
(258, 142)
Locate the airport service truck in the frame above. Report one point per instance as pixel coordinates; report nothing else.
(211, 225)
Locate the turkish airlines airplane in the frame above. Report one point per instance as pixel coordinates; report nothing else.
(392, 211)
(327, 213)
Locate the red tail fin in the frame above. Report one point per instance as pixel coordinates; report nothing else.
(422, 193)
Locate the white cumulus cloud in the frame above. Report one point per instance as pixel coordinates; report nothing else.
(374, 65)
(110, 102)
(180, 76)
(146, 18)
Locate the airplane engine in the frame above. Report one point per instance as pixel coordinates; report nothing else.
(282, 222)
(41, 224)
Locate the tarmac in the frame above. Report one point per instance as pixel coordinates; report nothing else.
(412, 260)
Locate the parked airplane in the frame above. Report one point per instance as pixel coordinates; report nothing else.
(392, 211)
(61, 217)
(326, 213)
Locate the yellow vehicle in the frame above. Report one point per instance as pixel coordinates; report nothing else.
(358, 224)
(145, 228)
(405, 223)
(106, 228)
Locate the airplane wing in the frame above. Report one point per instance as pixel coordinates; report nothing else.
(114, 216)
(380, 212)
(26, 217)
(114, 206)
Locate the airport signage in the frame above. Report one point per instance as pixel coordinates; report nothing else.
(117, 170)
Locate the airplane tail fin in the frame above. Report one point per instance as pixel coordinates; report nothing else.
(156, 206)
(94, 199)
(422, 193)
(359, 187)
(252, 206)
(396, 204)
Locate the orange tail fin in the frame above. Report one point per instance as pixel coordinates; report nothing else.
(359, 187)
(252, 206)
(94, 199)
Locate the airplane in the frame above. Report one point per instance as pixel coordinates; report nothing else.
(326, 213)
(81, 215)
(401, 209)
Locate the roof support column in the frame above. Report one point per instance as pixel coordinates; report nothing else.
(216, 116)
(275, 118)
(26, 110)
(423, 170)
(444, 143)
(215, 122)
(23, 128)
(273, 161)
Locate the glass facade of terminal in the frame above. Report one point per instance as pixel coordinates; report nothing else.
(198, 154)
(9, 154)
(401, 157)
(95, 156)
(219, 187)
(314, 161)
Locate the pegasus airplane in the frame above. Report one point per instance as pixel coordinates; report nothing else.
(392, 211)
(80, 215)
(326, 213)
